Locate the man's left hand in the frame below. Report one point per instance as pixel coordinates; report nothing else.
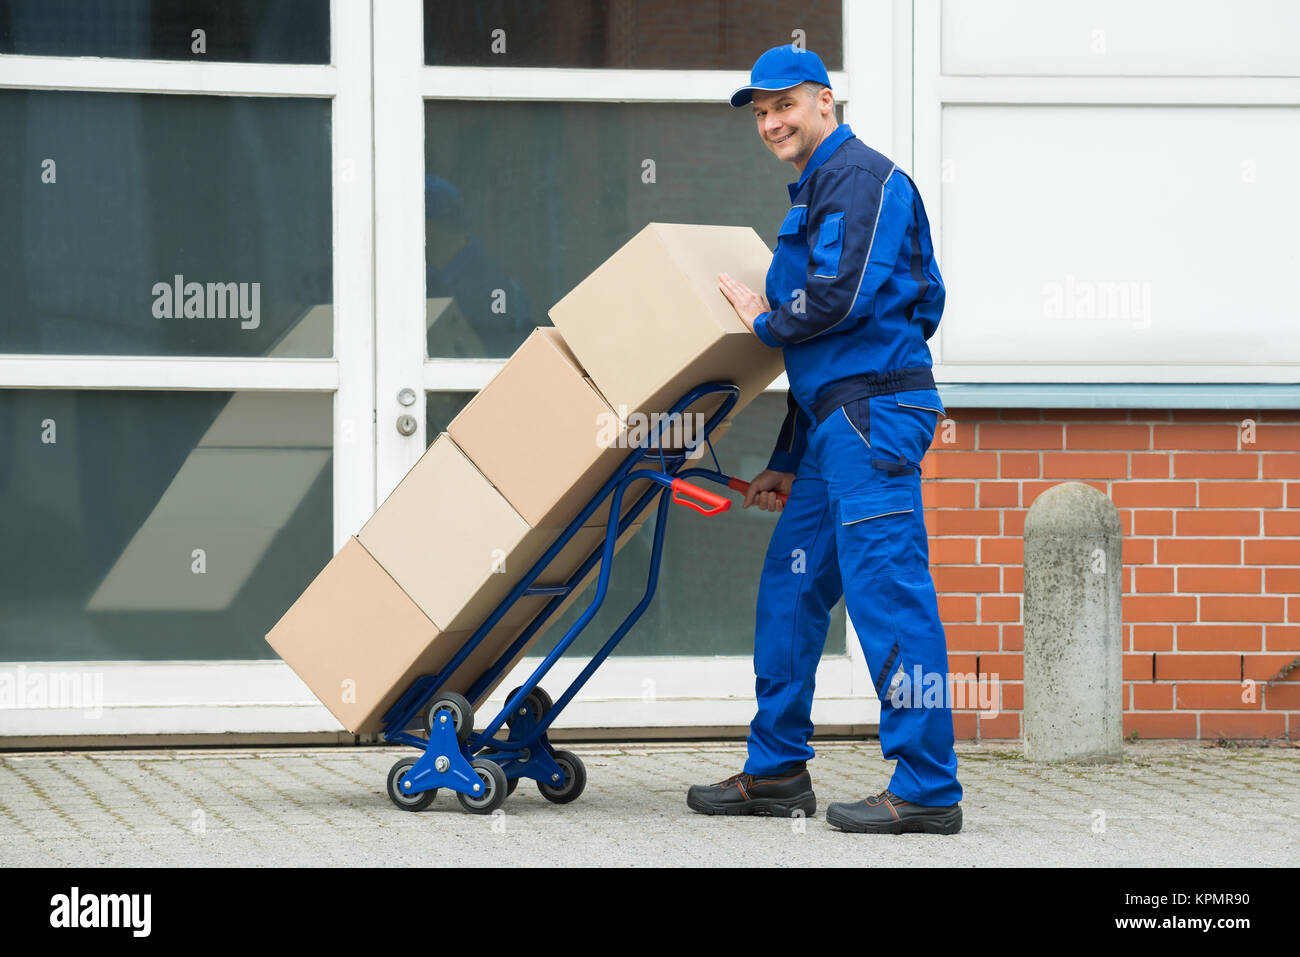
(748, 304)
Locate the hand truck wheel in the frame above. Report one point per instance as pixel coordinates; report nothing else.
(511, 784)
(407, 802)
(575, 779)
(494, 784)
(462, 713)
(538, 702)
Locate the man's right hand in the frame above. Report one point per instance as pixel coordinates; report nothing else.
(763, 489)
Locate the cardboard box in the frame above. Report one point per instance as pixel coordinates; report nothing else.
(455, 545)
(447, 545)
(541, 433)
(451, 541)
(650, 323)
(493, 647)
(357, 641)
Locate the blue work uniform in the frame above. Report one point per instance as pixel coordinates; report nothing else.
(855, 295)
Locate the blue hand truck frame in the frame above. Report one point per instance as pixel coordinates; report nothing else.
(483, 769)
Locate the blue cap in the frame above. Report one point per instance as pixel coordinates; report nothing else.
(781, 68)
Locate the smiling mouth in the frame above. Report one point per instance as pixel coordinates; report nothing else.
(783, 139)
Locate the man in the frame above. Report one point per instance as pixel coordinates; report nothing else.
(855, 294)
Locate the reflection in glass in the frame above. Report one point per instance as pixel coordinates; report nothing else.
(627, 34)
(143, 224)
(149, 525)
(524, 200)
(439, 409)
(476, 306)
(235, 31)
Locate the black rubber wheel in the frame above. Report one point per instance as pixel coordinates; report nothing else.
(462, 713)
(494, 790)
(575, 779)
(511, 783)
(407, 802)
(538, 702)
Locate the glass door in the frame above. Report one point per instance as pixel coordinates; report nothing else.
(186, 354)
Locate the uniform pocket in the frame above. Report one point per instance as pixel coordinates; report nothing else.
(794, 221)
(868, 507)
(926, 400)
(826, 254)
(877, 535)
(858, 413)
(903, 425)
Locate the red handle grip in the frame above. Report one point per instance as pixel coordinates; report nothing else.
(684, 492)
(740, 485)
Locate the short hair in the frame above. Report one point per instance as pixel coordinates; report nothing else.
(814, 89)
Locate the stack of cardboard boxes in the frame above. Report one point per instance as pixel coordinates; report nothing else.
(518, 464)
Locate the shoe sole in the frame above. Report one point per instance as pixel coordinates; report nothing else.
(947, 823)
(805, 803)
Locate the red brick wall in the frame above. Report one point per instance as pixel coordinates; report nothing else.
(1209, 503)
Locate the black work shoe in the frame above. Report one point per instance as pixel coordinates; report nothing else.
(778, 795)
(887, 813)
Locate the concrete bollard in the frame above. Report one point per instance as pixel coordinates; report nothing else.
(1073, 632)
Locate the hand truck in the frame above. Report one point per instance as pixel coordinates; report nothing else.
(482, 768)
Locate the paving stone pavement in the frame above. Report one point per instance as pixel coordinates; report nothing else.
(1166, 803)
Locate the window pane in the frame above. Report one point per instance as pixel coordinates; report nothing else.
(155, 525)
(708, 577)
(237, 31)
(628, 34)
(139, 224)
(439, 409)
(524, 200)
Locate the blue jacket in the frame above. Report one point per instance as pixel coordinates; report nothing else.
(853, 283)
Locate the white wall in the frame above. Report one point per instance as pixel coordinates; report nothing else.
(1111, 188)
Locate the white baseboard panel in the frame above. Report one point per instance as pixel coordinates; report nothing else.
(93, 699)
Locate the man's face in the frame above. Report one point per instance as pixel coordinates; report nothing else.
(790, 122)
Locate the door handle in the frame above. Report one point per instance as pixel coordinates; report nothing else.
(406, 423)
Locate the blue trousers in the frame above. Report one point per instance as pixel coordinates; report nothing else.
(854, 525)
